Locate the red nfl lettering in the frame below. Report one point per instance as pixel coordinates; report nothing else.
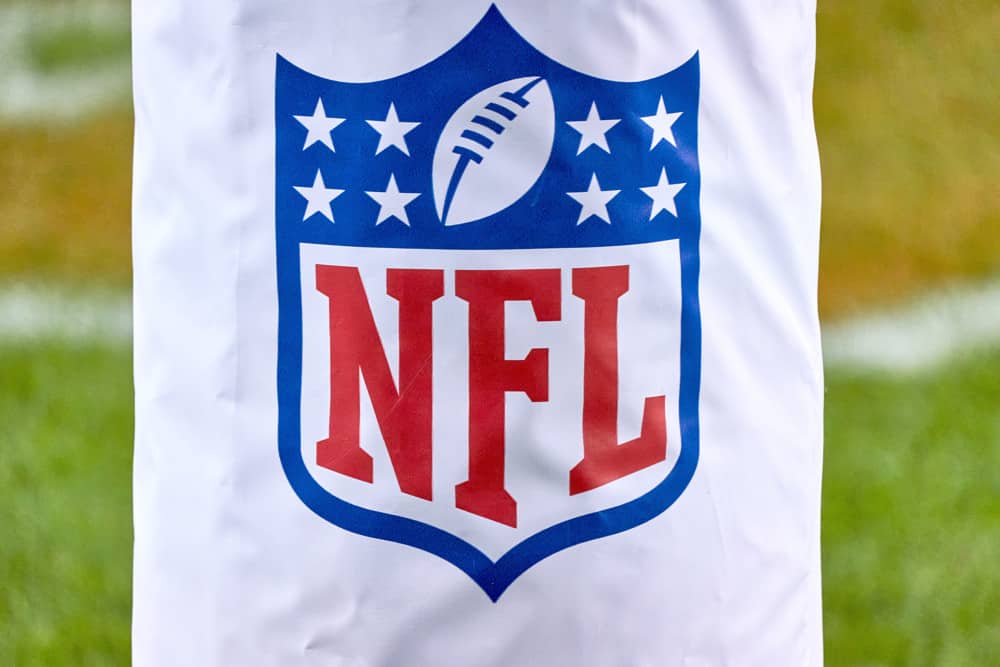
(404, 411)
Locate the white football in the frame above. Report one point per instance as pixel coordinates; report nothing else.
(493, 149)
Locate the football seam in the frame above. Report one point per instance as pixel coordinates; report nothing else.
(468, 154)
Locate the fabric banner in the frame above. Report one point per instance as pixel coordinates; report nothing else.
(473, 333)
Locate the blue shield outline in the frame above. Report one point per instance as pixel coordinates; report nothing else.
(501, 54)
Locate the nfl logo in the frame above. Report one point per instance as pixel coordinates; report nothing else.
(490, 338)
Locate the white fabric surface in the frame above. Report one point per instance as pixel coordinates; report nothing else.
(231, 568)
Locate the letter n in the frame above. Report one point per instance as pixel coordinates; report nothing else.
(403, 412)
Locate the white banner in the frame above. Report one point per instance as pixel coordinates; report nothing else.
(476, 334)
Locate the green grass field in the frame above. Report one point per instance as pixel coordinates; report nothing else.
(911, 517)
(909, 128)
(65, 497)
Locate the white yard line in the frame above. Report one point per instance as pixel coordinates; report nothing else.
(918, 336)
(911, 338)
(29, 95)
(31, 313)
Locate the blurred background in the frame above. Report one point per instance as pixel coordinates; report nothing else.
(908, 115)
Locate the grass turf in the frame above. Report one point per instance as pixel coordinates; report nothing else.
(911, 517)
(911, 511)
(65, 201)
(65, 514)
(909, 134)
(78, 47)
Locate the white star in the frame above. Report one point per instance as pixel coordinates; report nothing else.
(392, 203)
(662, 124)
(593, 130)
(318, 197)
(594, 201)
(392, 131)
(319, 126)
(663, 194)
